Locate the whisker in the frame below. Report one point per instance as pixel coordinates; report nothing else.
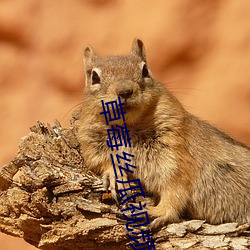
(71, 109)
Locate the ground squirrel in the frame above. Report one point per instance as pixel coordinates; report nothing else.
(189, 166)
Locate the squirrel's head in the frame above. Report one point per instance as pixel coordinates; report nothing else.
(125, 76)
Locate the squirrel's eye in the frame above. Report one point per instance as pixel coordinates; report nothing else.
(95, 78)
(145, 72)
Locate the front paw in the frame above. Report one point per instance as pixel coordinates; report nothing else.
(158, 223)
(110, 182)
(161, 216)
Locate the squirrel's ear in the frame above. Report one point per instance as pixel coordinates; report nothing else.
(89, 57)
(138, 49)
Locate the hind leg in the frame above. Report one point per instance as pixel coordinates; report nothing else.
(169, 209)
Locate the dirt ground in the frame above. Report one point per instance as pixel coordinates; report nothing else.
(200, 49)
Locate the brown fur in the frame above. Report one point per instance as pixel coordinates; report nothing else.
(188, 165)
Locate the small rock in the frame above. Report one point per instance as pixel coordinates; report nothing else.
(219, 229)
(215, 241)
(239, 243)
(184, 243)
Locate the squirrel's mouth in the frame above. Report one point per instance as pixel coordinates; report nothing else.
(129, 103)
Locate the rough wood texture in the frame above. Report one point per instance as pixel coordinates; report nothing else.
(49, 198)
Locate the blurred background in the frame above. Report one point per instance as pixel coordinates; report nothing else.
(199, 49)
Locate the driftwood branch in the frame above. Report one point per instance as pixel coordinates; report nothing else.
(49, 198)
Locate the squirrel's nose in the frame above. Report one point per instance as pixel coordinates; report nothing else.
(125, 93)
